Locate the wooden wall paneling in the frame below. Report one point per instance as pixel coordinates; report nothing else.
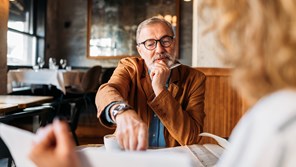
(223, 105)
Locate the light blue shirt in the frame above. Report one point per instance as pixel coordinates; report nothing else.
(156, 137)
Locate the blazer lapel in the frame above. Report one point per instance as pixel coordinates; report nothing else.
(175, 78)
(146, 83)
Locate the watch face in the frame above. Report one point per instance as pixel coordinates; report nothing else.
(121, 107)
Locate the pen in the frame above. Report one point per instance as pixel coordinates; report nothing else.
(175, 65)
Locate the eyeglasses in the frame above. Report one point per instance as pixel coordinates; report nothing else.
(151, 44)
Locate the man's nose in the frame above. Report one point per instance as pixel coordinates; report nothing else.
(159, 48)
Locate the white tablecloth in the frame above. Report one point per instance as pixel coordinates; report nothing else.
(59, 78)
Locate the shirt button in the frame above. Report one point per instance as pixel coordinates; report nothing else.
(154, 115)
(153, 135)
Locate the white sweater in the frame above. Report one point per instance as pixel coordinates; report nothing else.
(266, 135)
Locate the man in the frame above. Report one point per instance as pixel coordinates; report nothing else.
(145, 96)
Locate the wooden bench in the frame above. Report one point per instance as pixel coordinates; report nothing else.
(223, 105)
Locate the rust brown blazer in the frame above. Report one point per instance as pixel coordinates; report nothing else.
(180, 108)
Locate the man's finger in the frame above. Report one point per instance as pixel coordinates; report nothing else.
(133, 142)
(142, 139)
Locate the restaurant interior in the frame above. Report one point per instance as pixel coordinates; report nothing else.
(75, 45)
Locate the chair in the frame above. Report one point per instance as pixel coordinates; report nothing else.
(69, 110)
(91, 79)
(89, 83)
(45, 116)
(107, 74)
(78, 100)
(90, 129)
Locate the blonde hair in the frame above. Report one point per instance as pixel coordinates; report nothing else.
(259, 40)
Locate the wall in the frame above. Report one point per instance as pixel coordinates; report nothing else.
(185, 32)
(67, 32)
(205, 48)
(3, 45)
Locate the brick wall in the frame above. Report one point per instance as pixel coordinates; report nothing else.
(69, 42)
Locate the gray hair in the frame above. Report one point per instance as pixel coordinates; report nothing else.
(153, 20)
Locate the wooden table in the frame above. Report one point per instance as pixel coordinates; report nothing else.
(8, 107)
(13, 102)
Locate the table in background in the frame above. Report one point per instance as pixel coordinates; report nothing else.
(13, 102)
(7, 108)
(59, 78)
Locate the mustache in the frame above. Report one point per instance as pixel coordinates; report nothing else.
(162, 56)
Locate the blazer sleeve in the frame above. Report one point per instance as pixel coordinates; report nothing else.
(116, 89)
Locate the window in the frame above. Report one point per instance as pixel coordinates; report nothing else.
(25, 37)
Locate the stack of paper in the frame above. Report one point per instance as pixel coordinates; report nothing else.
(20, 142)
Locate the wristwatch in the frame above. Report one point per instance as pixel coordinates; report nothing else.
(120, 109)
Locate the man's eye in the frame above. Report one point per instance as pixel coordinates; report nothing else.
(166, 39)
(149, 43)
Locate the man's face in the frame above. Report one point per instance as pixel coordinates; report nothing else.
(156, 31)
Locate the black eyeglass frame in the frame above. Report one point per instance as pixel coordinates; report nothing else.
(159, 40)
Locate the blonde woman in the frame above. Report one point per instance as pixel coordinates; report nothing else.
(259, 40)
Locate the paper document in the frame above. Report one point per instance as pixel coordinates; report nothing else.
(206, 155)
(221, 141)
(19, 143)
(92, 157)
